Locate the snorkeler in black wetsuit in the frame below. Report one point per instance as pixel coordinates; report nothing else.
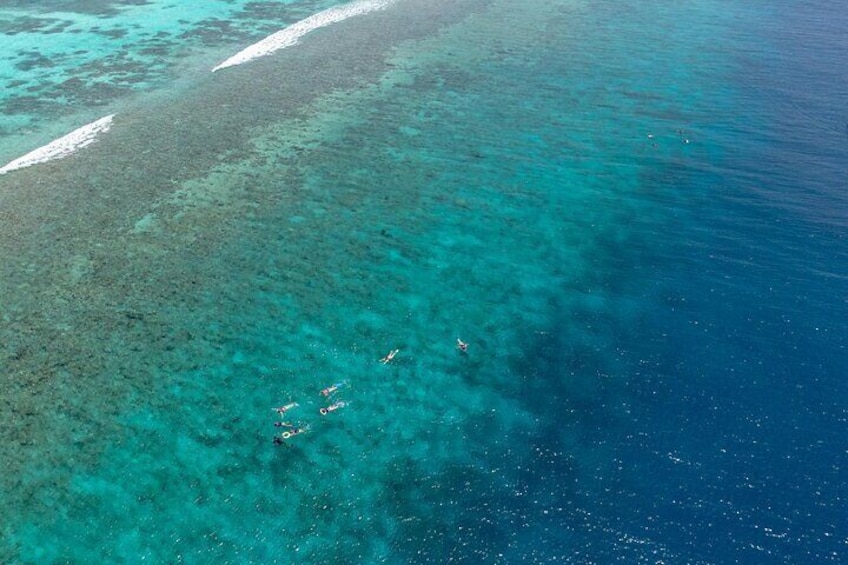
(288, 434)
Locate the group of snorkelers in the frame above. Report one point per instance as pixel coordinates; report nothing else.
(330, 393)
(290, 430)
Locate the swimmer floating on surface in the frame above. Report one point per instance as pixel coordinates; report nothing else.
(461, 345)
(283, 409)
(289, 433)
(391, 355)
(333, 388)
(332, 407)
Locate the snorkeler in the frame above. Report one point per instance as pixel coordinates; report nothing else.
(283, 409)
(333, 388)
(389, 356)
(461, 345)
(294, 431)
(288, 434)
(332, 407)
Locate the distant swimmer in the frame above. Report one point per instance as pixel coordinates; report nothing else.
(288, 434)
(283, 409)
(389, 356)
(333, 388)
(461, 345)
(332, 407)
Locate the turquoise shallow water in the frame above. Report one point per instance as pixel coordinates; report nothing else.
(570, 188)
(64, 58)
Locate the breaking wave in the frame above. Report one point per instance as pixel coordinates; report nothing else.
(290, 35)
(62, 147)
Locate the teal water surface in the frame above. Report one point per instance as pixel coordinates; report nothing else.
(565, 186)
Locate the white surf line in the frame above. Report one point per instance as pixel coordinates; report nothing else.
(62, 147)
(290, 35)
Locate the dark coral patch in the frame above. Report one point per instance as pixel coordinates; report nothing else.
(28, 24)
(34, 61)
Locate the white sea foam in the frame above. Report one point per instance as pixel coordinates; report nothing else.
(290, 35)
(62, 147)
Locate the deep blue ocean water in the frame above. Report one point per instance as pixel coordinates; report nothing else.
(633, 213)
